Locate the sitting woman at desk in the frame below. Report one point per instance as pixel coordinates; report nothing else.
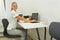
(13, 22)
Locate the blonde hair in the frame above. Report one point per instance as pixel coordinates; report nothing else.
(12, 5)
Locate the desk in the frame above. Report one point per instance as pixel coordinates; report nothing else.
(34, 25)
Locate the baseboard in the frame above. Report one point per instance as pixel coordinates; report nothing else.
(1, 34)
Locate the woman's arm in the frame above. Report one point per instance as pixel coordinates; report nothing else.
(18, 18)
(30, 21)
(33, 20)
(24, 19)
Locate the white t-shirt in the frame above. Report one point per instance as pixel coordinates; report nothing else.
(12, 20)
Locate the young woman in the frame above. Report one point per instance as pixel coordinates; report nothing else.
(13, 22)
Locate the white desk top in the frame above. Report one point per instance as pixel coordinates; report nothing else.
(32, 25)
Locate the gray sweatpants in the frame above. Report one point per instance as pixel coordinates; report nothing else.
(17, 32)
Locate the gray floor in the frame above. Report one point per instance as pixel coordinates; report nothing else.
(32, 35)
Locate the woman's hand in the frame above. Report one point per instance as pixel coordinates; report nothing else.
(18, 17)
(33, 20)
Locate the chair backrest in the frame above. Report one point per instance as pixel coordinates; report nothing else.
(35, 16)
(5, 23)
(54, 30)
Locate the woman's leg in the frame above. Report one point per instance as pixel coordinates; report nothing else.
(17, 32)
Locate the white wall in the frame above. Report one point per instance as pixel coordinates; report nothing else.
(48, 9)
(2, 10)
(54, 10)
(2, 14)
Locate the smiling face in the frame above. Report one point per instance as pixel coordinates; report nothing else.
(14, 6)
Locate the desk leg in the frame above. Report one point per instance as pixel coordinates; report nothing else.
(38, 33)
(45, 33)
(26, 34)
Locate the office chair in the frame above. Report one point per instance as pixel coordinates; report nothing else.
(5, 25)
(54, 30)
(35, 16)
